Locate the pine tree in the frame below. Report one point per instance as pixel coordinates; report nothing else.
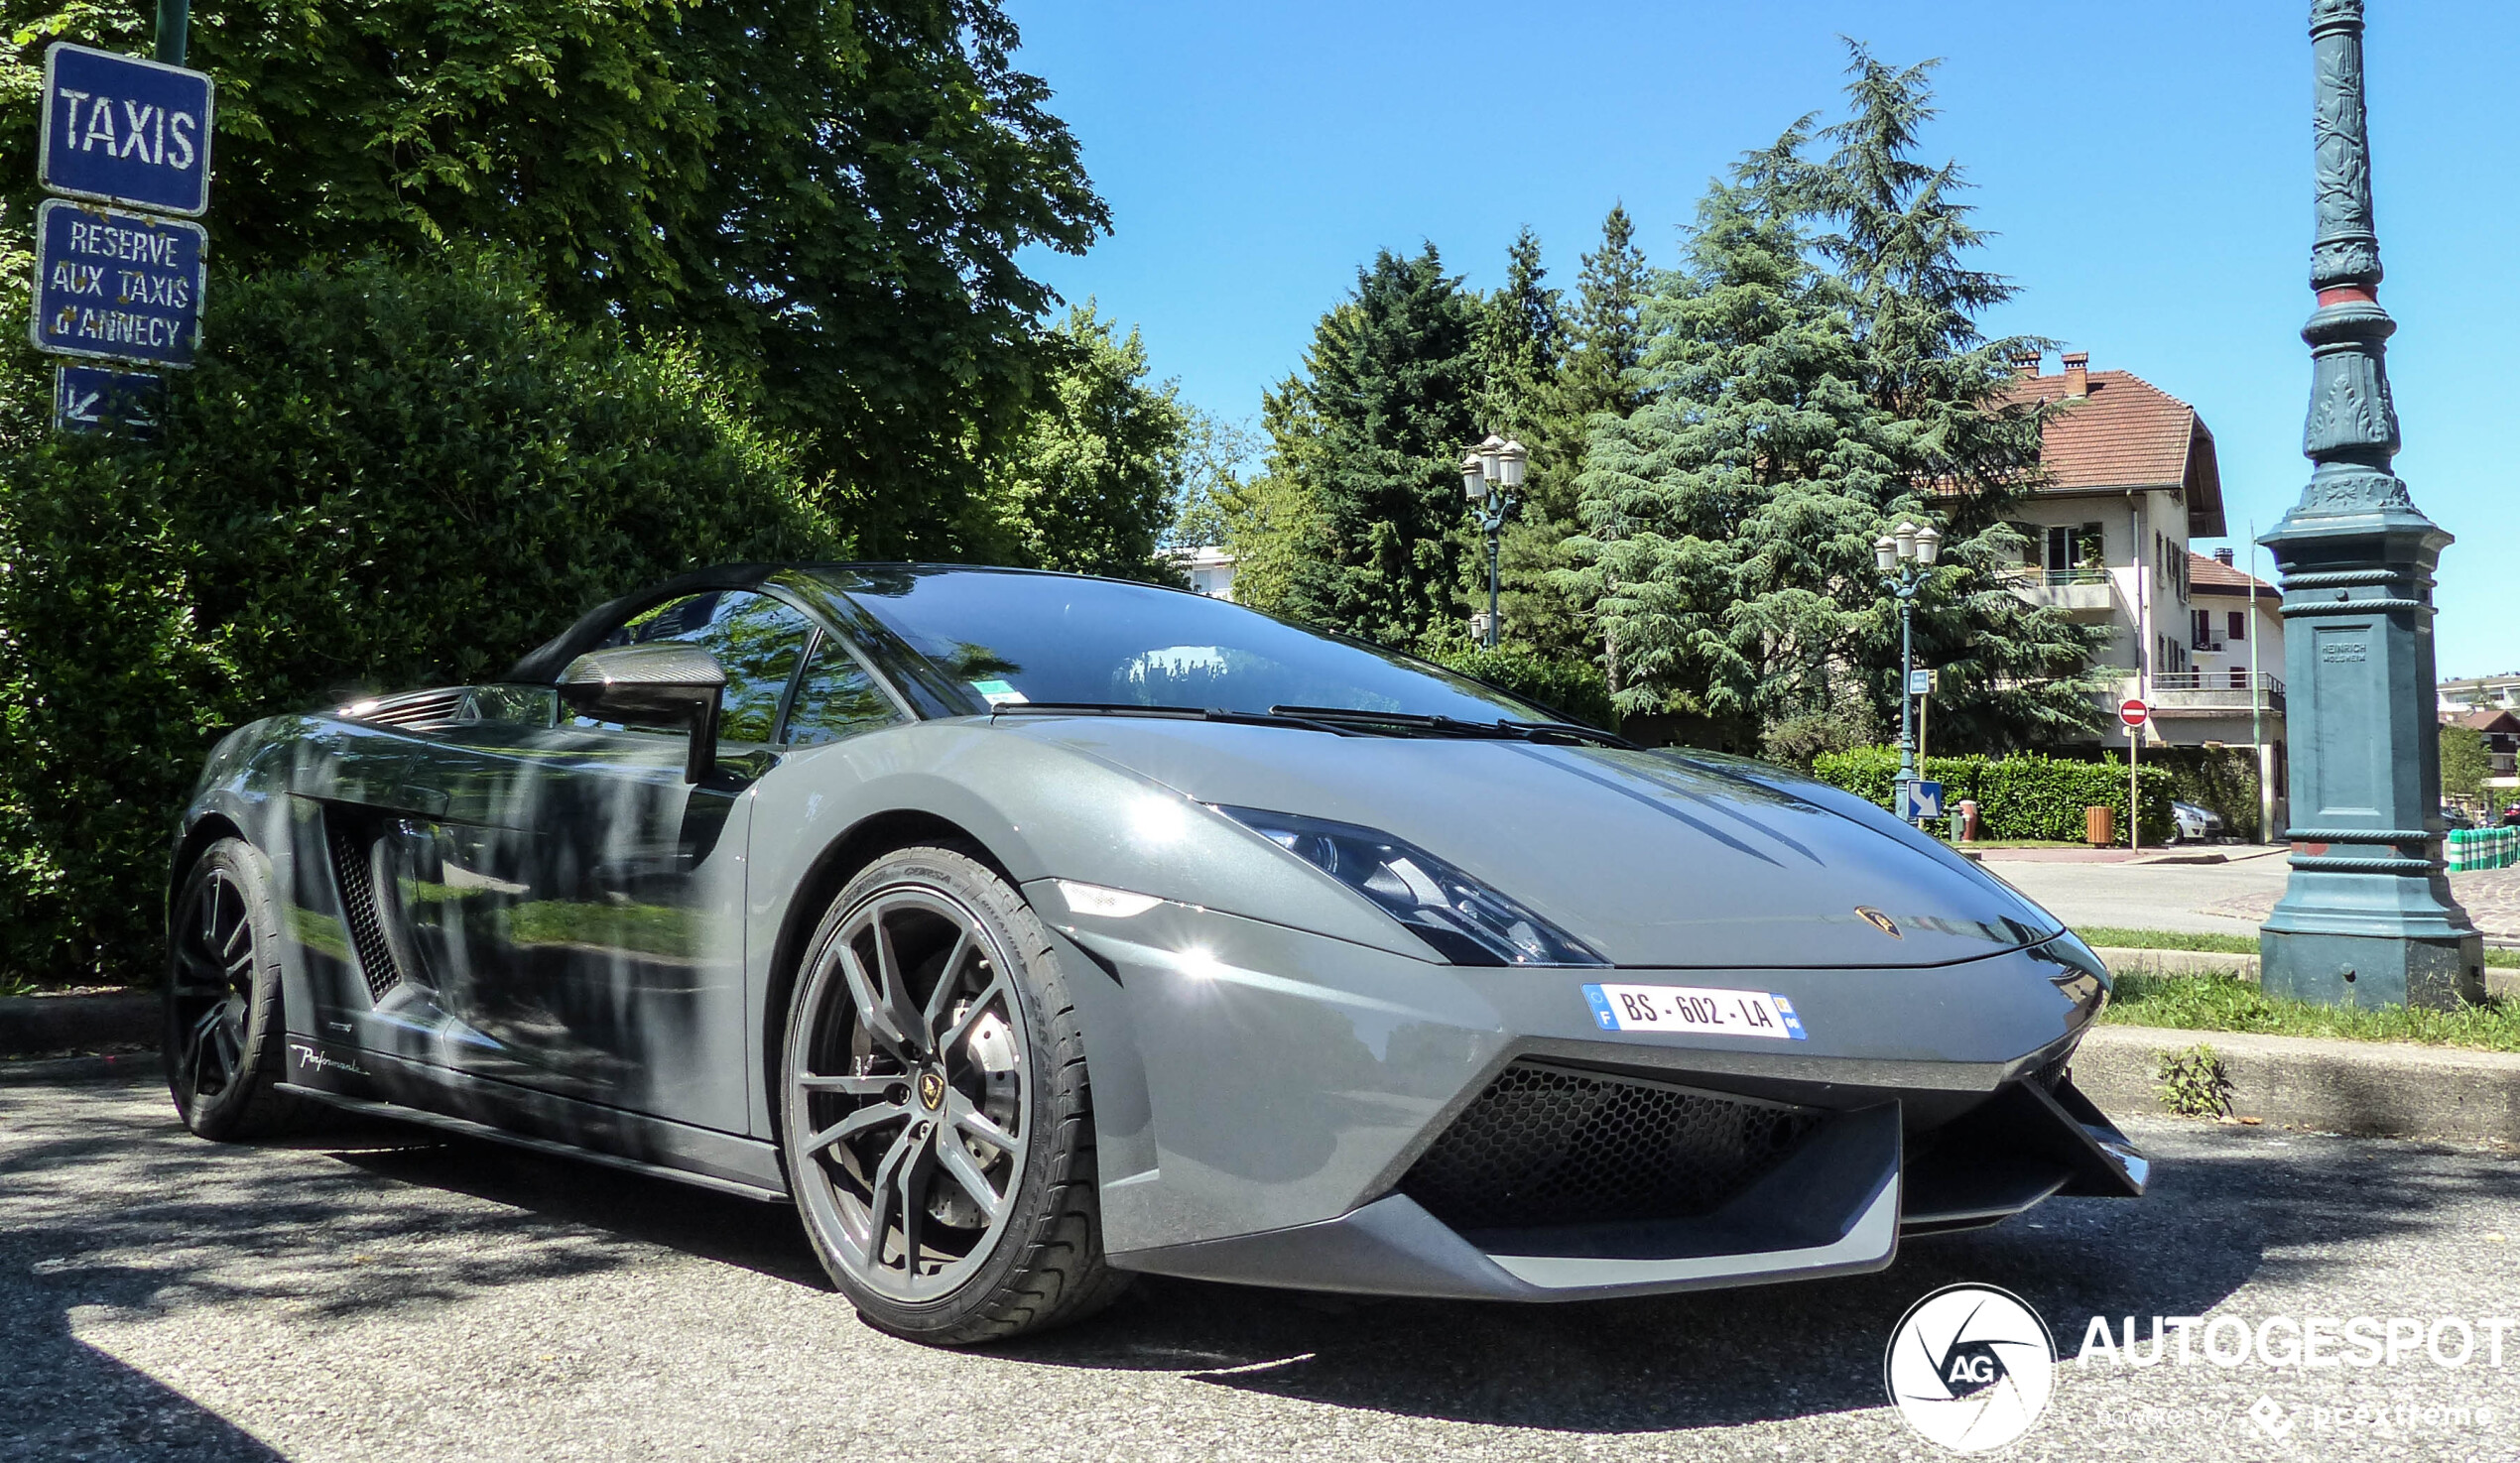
(1605, 342)
(1731, 514)
(1804, 392)
(2011, 674)
(1388, 397)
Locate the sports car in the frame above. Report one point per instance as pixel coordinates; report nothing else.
(1027, 932)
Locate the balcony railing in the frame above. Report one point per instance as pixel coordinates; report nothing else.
(2213, 680)
(2092, 575)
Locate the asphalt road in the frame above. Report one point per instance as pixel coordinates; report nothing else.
(385, 1295)
(2177, 897)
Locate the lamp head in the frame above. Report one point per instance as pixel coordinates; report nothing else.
(1474, 477)
(1929, 542)
(1491, 457)
(1511, 458)
(1885, 553)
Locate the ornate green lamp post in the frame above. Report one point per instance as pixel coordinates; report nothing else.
(2367, 917)
(1905, 555)
(1490, 475)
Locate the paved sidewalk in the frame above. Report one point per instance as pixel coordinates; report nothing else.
(2491, 898)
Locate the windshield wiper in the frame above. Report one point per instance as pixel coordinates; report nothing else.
(1270, 717)
(1450, 726)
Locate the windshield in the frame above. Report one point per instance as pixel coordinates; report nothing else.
(1012, 637)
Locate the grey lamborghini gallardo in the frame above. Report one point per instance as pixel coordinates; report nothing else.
(1027, 932)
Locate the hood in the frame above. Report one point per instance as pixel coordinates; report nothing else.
(1674, 859)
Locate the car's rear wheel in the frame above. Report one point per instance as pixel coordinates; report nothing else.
(226, 1038)
(935, 1117)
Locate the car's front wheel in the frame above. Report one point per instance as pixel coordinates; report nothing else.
(935, 1117)
(225, 1039)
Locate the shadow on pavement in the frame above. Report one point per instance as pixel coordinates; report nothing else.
(110, 1204)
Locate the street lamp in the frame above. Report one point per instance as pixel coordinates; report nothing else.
(1905, 554)
(1490, 474)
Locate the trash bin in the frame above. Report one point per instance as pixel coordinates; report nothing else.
(1968, 820)
(2098, 827)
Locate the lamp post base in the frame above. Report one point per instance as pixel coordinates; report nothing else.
(2335, 969)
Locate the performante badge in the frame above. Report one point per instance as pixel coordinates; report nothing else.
(1880, 921)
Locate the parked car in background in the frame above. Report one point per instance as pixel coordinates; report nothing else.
(2193, 824)
(2455, 817)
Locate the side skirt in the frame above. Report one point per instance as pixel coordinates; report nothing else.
(735, 1159)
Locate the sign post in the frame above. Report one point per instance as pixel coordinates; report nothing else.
(2134, 714)
(122, 134)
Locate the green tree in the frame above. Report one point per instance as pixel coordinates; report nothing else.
(1213, 453)
(1731, 516)
(2011, 674)
(1390, 386)
(2464, 764)
(1604, 343)
(830, 197)
(376, 478)
(1274, 523)
(1804, 390)
(1094, 480)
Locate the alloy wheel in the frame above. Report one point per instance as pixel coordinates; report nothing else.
(909, 1093)
(214, 994)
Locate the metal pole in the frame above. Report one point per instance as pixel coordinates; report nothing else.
(175, 22)
(2367, 916)
(1495, 522)
(1907, 663)
(2135, 809)
(2257, 704)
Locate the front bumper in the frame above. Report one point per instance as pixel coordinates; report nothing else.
(1278, 1108)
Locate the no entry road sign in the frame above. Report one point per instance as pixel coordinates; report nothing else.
(121, 130)
(2133, 712)
(116, 285)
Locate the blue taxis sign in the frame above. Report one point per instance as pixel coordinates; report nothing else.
(116, 285)
(121, 130)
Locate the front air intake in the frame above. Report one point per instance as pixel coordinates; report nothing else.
(1548, 1145)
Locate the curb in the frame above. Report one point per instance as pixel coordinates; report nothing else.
(29, 1024)
(2128, 960)
(2368, 1089)
(55, 1071)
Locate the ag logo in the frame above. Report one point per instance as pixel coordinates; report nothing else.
(1971, 1367)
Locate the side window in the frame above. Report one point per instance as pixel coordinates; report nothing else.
(755, 639)
(837, 699)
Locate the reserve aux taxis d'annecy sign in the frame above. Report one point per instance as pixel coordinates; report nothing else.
(113, 282)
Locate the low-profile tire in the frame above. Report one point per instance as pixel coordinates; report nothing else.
(227, 1042)
(933, 1116)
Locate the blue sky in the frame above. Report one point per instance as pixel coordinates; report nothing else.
(2145, 167)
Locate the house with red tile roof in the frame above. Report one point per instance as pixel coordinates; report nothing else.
(2130, 481)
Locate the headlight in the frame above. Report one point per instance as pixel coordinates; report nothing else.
(1467, 922)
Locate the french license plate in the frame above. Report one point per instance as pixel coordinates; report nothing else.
(1695, 1008)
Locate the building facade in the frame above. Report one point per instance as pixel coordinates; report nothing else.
(2131, 483)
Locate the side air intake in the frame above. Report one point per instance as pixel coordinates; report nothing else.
(354, 850)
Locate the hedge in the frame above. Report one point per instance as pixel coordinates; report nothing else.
(1575, 689)
(377, 477)
(2024, 796)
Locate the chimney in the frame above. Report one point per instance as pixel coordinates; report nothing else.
(2026, 360)
(2077, 375)
(2223, 557)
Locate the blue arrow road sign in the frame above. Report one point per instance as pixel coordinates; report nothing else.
(119, 286)
(122, 130)
(89, 397)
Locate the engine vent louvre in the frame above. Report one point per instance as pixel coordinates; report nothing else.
(1546, 1146)
(412, 708)
(355, 872)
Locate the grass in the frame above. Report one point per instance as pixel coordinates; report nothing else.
(2221, 944)
(2221, 1002)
